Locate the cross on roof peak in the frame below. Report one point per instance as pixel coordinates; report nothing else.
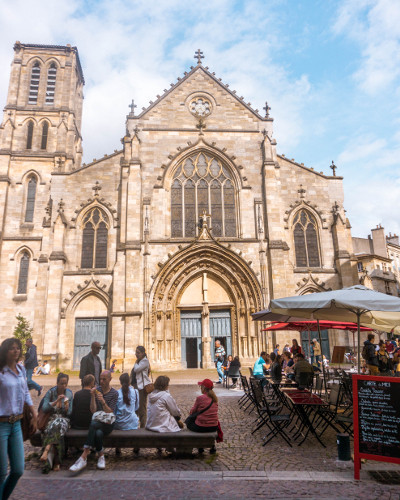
(132, 105)
(199, 56)
(267, 109)
(333, 167)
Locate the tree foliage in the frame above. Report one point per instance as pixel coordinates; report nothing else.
(23, 331)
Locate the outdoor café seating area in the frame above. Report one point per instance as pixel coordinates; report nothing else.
(295, 413)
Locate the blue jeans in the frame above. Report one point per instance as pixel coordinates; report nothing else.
(262, 378)
(219, 370)
(31, 383)
(11, 448)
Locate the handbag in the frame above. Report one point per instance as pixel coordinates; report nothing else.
(27, 423)
(191, 419)
(105, 418)
(149, 387)
(43, 419)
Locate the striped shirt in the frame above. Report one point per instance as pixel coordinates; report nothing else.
(110, 398)
(219, 352)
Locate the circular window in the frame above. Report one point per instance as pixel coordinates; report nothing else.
(200, 106)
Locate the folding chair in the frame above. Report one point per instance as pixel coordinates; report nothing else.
(233, 372)
(261, 404)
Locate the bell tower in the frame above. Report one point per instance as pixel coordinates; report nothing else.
(43, 113)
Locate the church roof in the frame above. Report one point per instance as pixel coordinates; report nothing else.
(187, 75)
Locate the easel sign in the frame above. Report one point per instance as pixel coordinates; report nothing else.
(338, 355)
(376, 418)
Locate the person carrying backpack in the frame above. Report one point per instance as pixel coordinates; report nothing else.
(369, 354)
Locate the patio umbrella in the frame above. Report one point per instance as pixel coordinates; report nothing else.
(369, 308)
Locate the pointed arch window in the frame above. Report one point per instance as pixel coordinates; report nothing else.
(94, 240)
(51, 83)
(34, 84)
(30, 199)
(29, 135)
(306, 241)
(23, 273)
(202, 182)
(45, 134)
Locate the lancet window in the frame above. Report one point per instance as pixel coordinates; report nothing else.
(34, 84)
(306, 241)
(202, 183)
(23, 273)
(94, 240)
(51, 83)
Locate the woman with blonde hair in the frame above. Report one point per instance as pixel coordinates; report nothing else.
(205, 409)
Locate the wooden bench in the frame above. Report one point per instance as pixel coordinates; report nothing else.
(184, 441)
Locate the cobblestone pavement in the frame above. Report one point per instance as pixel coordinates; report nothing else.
(203, 489)
(241, 453)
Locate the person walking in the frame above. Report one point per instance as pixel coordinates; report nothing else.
(91, 364)
(30, 364)
(139, 379)
(219, 360)
(14, 393)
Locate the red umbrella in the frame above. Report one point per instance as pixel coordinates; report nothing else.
(316, 325)
(312, 325)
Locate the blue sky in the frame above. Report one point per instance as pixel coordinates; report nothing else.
(329, 69)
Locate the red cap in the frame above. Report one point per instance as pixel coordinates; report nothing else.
(207, 383)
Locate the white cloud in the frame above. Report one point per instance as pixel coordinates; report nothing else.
(375, 26)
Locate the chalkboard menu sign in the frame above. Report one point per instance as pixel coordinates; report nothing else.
(376, 419)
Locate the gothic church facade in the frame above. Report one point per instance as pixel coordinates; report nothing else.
(170, 242)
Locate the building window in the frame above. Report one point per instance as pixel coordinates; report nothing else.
(51, 83)
(94, 240)
(30, 199)
(306, 242)
(45, 134)
(34, 84)
(29, 136)
(202, 183)
(360, 267)
(23, 273)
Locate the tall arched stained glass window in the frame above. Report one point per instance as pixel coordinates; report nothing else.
(23, 273)
(30, 199)
(34, 84)
(306, 243)
(94, 240)
(202, 183)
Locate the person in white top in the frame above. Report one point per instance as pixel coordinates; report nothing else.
(163, 413)
(139, 379)
(44, 369)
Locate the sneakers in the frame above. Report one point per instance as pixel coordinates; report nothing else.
(78, 465)
(101, 463)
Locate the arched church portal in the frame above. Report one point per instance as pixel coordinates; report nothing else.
(204, 292)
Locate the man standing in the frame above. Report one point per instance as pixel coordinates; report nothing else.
(219, 360)
(91, 363)
(369, 354)
(317, 351)
(102, 399)
(30, 364)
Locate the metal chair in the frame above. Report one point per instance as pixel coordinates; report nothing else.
(233, 372)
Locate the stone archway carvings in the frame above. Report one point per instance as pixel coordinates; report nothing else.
(96, 202)
(311, 284)
(89, 286)
(200, 145)
(199, 257)
(308, 205)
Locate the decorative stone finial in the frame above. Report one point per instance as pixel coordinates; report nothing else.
(132, 105)
(199, 56)
(267, 109)
(96, 188)
(333, 167)
(301, 191)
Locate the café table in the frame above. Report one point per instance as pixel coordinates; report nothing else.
(304, 403)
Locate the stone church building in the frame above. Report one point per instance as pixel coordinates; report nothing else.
(170, 242)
